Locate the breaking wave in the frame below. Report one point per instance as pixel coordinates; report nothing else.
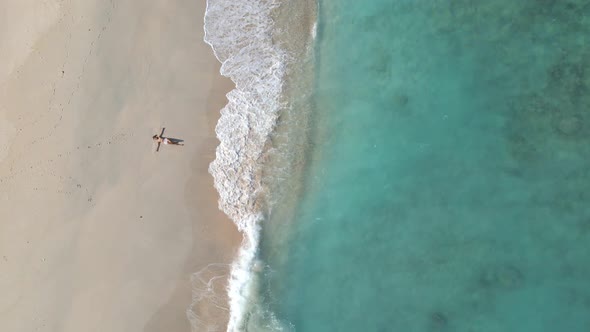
(240, 34)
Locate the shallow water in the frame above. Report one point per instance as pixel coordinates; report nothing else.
(447, 188)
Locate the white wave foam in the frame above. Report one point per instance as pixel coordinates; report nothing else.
(239, 32)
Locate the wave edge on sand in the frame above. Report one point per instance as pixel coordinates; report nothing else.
(240, 34)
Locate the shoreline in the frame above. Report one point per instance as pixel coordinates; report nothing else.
(98, 230)
(258, 129)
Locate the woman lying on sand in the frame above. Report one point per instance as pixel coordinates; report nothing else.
(165, 140)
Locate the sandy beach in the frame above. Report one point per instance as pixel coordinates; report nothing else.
(98, 232)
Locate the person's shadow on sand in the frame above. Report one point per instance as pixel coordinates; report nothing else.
(160, 139)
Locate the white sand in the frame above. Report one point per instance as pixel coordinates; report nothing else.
(97, 231)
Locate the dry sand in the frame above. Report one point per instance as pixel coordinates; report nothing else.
(97, 231)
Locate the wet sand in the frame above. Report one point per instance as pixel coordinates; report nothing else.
(98, 232)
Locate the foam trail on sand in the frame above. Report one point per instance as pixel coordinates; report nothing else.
(208, 308)
(239, 33)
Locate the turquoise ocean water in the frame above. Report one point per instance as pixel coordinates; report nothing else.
(448, 184)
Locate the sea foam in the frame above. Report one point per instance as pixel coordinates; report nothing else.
(240, 34)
